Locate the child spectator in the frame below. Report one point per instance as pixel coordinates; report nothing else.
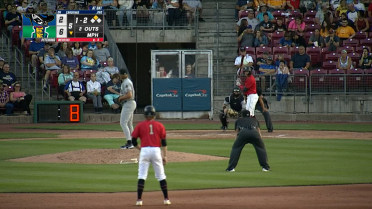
(281, 81)
(76, 49)
(286, 41)
(265, 25)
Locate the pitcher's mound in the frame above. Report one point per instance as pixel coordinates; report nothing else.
(111, 156)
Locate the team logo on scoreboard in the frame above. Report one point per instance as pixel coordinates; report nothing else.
(39, 26)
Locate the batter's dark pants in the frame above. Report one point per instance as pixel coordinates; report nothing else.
(248, 137)
(269, 124)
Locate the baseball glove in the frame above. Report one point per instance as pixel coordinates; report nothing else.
(232, 113)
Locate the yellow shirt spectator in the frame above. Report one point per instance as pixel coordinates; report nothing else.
(276, 4)
(345, 31)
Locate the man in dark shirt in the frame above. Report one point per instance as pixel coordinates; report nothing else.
(300, 60)
(236, 102)
(13, 18)
(248, 131)
(263, 107)
(266, 25)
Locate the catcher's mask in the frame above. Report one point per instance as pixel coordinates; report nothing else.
(236, 90)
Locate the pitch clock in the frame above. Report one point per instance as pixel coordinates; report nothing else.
(58, 112)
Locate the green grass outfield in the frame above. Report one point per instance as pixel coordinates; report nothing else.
(294, 162)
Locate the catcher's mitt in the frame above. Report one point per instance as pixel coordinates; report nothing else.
(232, 113)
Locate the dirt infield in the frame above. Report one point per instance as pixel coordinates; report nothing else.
(309, 197)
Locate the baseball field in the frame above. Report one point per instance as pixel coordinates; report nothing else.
(314, 165)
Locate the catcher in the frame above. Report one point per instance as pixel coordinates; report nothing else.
(236, 103)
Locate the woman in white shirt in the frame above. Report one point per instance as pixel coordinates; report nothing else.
(94, 93)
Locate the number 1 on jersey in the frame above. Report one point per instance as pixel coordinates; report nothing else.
(151, 131)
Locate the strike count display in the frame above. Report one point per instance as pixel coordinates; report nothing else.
(65, 26)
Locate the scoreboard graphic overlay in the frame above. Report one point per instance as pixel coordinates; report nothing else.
(65, 26)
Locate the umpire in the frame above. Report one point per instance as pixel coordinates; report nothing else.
(263, 107)
(248, 131)
(236, 102)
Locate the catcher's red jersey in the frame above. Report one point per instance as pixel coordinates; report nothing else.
(150, 132)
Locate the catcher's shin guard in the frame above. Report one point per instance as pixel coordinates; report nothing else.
(223, 118)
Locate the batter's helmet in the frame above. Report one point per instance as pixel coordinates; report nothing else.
(149, 110)
(245, 113)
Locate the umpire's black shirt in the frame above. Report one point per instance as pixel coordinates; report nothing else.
(246, 123)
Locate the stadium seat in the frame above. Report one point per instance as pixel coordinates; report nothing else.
(336, 80)
(15, 35)
(355, 81)
(275, 42)
(250, 50)
(349, 49)
(361, 35)
(280, 50)
(307, 36)
(359, 49)
(87, 74)
(310, 13)
(277, 13)
(314, 53)
(366, 42)
(355, 58)
(309, 20)
(262, 49)
(311, 27)
(286, 57)
(300, 80)
(351, 42)
(318, 80)
(329, 65)
(277, 35)
(243, 14)
(293, 50)
(332, 56)
(295, 13)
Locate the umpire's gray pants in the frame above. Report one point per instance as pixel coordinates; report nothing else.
(244, 137)
(126, 118)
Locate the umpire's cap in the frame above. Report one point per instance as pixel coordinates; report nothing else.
(123, 71)
(149, 110)
(245, 113)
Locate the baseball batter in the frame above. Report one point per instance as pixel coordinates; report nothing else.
(250, 90)
(153, 146)
(236, 102)
(248, 131)
(126, 99)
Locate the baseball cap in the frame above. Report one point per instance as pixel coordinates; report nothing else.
(250, 11)
(242, 48)
(123, 71)
(2, 59)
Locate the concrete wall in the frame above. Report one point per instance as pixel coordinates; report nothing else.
(153, 36)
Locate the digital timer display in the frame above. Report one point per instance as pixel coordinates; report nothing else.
(65, 26)
(58, 112)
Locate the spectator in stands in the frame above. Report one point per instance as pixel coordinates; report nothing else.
(359, 6)
(63, 4)
(266, 71)
(242, 61)
(286, 41)
(5, 100)
(334, 4)
(252, 21)
(22, 8)
(63, 78)
(300, 60)
(349, 22)
(297, 25)
(104, 74)
(321, 14)
(72, 5)
(43, 8)
(7, 77)
(245, 35)
(325, 28)
(88, 62)
(76, 49)
(94, 93)
(62, 51)
(113, 92)
(13, 18)
(344, 62)
(263, 10)
(75, 89)
(266, 26)
(298, 40)
(260, 39)
(293, 4)
(20, 99)
(261, 60)
(344, 31)
(276, 4)
(34, 50)
(351, 13)
(279, 59)
(316, 39)
(242, 5)
(125, 7)
(279, 25)
(84, 51)
(7, 10)
(71, 60)
(161, 73)
(307, 5)
(342, 8)
(365, 60)
(189, 71)
(361, 23)
(42, 54)
(101, 53)
(159, 4)
(332, 41)
(52, 62)
(191, 6)
(281, 81)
